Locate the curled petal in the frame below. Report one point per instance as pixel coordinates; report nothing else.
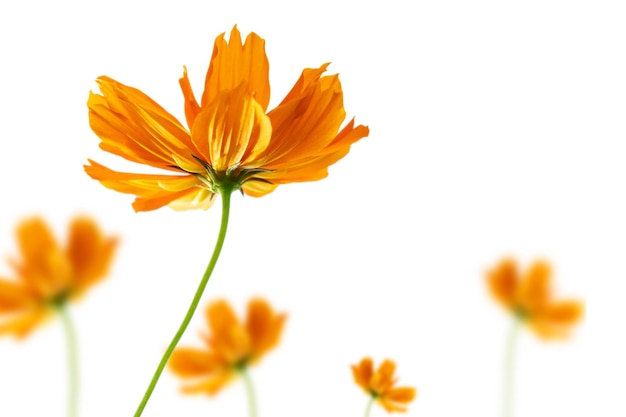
(228, 339)
(232, 130)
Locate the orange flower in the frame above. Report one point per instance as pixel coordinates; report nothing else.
(230, 142)
(380, 385)
(530, 299)
(230, 347)
(48, 275)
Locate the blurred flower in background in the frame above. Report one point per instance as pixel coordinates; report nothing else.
(48, 275)
(529, 298)
(380, 385)
(230, 346)
(231, 142)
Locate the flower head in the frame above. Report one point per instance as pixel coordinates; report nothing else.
(231, 141)
(380, 384)
(530, 299)
(230, 347)
(48, 275)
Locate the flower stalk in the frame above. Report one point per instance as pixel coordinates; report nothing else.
(72, 360)
(509, 368)
(247, 380)
(370, 403)
(226, 193)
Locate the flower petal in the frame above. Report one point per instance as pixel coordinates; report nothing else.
(264, 327)
(233, 130)
(534, 291)
(191, 362)
(89, 252)
(154, 191)
(233, 64)
(363, 373)
(22, 324)
(502, 282)
(133, 126)
(192, 108)
(382, 380)
(15, 296)
(228, 339)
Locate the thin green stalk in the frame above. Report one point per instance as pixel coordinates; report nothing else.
(72, 361)
(509, 368)
(226, 194)
(252, 406)
(370, 403)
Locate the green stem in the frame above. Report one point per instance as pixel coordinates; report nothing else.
(226, 194)
(72, 361)
(252, 406)
(370, 403)
(509, 368)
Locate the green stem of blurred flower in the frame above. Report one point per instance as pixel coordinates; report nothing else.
(509, 368)
(226, 194)
(250, 391)
(72, 361)
(369, 405)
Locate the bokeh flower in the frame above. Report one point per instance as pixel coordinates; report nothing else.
(230, 141)
(48, 275)
(230, 347)
(380, 385)
(529, 298)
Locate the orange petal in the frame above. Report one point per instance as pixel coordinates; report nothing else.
(229, 338)
(192, 108)
(363, 373)
(307, 122)
(264, 327)
(534, 291)
(383, 377)
(211, 384)
(556, 320)
(133, 126)
(190, 362)
(89, 252)
(503, 281)
(154, 191)
(233, 64)
(22, 324)
(233, 130)
(402, 395)
(15, 296)
(45, 268)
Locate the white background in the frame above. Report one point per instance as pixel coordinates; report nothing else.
(497, 128)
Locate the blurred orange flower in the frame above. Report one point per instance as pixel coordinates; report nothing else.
(230, 142)
(48, 275)
(380, 385)
(230, 348)
(530, 298)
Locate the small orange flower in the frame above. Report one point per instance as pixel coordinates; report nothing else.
(380, 385)
(231, 141)
(48, 275)
(230, 347)
(530, 299)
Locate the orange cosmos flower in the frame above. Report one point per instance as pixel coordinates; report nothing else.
(231, 141)
(230, 347)
(48, 275)
(380, 385)
(530, 299)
